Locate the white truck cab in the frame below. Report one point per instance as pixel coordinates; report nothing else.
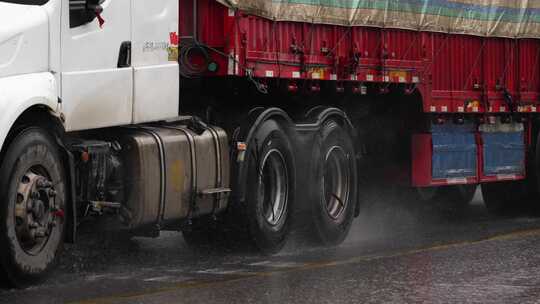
(82, 64)
(56, 54)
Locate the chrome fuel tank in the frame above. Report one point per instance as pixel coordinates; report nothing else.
(173, 173)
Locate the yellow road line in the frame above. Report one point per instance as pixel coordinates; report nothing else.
(308, 266)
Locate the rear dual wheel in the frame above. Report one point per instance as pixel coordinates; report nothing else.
(33, 195)
(270, 187)
(334, 182)
(271, 190)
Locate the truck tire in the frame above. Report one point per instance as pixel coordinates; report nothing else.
(270, 187)
(33, 192)
(334, 185)
(498, 197)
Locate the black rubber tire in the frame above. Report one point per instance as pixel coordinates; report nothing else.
(32, 146)
(329, 231)
(499, 197)
(269, 138)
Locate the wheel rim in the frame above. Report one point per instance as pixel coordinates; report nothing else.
(273, 187)
(336, 182)
(36, 210)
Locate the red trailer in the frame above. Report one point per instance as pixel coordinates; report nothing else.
(438, 80)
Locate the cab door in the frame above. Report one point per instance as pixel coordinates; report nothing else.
(97, 78)
(155, 60)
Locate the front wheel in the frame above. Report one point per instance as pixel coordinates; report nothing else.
(33, 193)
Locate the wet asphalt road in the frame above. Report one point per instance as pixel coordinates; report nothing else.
(397, 252)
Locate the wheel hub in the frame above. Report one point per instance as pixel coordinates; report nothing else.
(336, 182)
(273, 187)
(36, 211)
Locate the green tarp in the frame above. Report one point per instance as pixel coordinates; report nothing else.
(493, 18)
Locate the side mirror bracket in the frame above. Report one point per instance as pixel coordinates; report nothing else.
(84, 12)
(95, 8)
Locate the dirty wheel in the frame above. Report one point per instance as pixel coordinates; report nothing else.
(335, 182)
(32, 211)
(270, 187)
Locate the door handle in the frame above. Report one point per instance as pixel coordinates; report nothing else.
(124, 56)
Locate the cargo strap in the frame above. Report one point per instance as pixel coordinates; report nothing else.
(508, 99)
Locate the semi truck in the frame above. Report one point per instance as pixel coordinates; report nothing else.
(245, 116)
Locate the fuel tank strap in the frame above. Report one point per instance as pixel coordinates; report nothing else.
(219, 169)
(191, 141)
(163, 173)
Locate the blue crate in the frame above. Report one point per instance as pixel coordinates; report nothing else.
(504, 153)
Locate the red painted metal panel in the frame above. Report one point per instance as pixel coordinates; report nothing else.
(440, 67)
(186, 21)
(208, 23)
(365, 56)
(466, 65)
(456, 73)
(324, 46)
(402, 45)
(272, 49)
(499, 72)
(455, 66)
(528, 79)
(401, 55)
(421, 160)
(211, 18)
